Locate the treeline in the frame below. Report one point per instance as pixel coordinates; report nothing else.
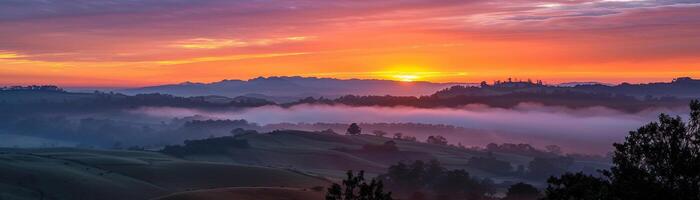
(49, 99)
(421, 180)
(679, 87)
(567, 99)
(426, 181)
(46, 88)
(624, 97)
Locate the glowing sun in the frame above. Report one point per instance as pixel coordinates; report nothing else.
(406, 77)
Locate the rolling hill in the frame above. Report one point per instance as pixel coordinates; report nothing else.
(66, 173)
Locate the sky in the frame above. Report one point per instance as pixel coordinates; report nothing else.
(128, 43)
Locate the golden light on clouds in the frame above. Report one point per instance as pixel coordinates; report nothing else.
(226, 58)
(9, 55)
(217, 43)
(437, 41)
(209, 43)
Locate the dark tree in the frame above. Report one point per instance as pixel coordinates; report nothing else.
(577, 186)
(660, 160)
(433, 181)
(356, 188)
(522, 191)
(439, 140)
(354, 129)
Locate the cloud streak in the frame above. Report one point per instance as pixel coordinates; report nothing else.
(359, 36)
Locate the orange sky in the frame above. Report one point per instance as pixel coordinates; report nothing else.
(131, 43)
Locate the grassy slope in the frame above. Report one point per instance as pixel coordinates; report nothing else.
(99, 174)
(260, 193)
(316, 153)
(273, 161)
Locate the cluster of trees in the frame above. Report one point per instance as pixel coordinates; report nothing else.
(455, 97)
(683, 86)
(45, 88)
(523, 149)
(421, 180)
(436, 139)
(355, 129)
(400, 136)
(523, 191)
(539, 168)
(385, 129)
(46, 99)
(660, 160)
(356, 187)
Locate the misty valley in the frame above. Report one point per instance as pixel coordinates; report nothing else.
(349, 100)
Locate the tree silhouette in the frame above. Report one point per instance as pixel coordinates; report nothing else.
(660, 160)
(577, 186)
(421, 180)
(356, 188)
(354, 129)
(439, 140)
(522, 191)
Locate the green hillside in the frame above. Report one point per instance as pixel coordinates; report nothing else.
(101, 174)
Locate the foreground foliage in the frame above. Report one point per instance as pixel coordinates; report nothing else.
(660, 160)
(356, 188)
(431, 180)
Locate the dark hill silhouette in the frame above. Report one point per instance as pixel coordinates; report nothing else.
(624, 97)
(23, 100)
(291, 88)
(684, 87)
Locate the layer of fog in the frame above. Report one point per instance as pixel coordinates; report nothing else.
(589, 130)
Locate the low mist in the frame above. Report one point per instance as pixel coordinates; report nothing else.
(589, 130)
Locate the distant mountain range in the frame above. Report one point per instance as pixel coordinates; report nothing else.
(292, 88)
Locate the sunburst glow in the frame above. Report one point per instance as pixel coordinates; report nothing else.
(406, 77)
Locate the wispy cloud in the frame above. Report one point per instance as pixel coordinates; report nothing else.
(499, 35)
(213, 43)
(227, 58)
